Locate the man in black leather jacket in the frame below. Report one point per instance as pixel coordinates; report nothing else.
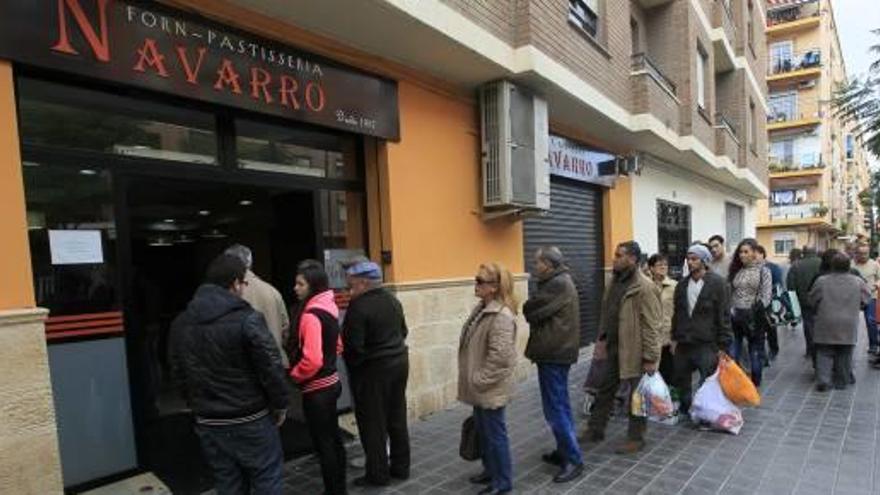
(229, 367)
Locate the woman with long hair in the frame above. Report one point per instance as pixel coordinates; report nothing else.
(751, 285)
(314, 369)
(486, 364)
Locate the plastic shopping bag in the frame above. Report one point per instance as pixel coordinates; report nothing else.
(737, 386)
(651, 398)
(713, 407)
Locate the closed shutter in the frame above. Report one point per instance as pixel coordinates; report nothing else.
(574, 224)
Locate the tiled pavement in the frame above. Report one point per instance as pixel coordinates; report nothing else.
(799, 441)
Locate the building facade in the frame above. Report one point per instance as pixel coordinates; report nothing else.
(817, 166)
(144, 137)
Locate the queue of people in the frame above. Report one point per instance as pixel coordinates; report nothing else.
(236, 353)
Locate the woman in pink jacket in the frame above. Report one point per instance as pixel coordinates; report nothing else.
(314, 370)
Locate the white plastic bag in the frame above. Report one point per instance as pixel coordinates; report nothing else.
(652, 398)
(712, 407)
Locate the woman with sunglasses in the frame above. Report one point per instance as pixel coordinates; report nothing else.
(751, 284)
(486, 364)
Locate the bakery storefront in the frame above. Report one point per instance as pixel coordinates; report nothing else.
(150, 140)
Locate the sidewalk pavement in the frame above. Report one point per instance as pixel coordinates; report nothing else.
(798, 442)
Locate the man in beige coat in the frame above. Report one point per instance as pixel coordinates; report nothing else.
(265, 299)
(630, 328)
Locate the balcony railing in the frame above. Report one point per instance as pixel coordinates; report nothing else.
(798, 212)
(783, 63)
(785, 11)
(793, 108)
(721, 120)
(641, 62)
(795, 162)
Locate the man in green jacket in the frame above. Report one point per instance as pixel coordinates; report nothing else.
(800, 279)
(553, 313)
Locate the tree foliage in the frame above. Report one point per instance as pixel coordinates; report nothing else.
(858, 102)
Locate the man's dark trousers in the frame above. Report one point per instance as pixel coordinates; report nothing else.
(379, 389)
(688, 358)
(244, 458)
(605, 402)
(553, 382)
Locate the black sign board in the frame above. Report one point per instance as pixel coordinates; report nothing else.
(150, 46)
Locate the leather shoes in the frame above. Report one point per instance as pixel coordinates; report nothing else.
(630, 447)
(568, 473)
(590, 435)
(481, 479)
(552, 458)
(492, 491)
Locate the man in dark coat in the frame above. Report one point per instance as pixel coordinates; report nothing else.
(229, 367)
(800, 279)
(553, 313)
(700, 322)
(374, 346)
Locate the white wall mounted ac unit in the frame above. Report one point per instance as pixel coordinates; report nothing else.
(514, 131)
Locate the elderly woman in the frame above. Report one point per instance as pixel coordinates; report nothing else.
(838, 298)
(486, 362)
(658, 270)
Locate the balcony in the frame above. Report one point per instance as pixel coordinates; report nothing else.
(726, 141)
(807, 169)
(787, 16)
(792, 111)
(804, 64)
(653, 92)
(799, 214)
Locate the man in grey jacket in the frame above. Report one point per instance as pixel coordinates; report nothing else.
(553, 313)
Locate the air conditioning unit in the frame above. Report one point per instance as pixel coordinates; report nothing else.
(515, 140)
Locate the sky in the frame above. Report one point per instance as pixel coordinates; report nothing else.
(855, 20)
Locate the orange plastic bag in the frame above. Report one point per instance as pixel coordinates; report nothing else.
(736, 384)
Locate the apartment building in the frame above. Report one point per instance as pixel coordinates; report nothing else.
(817, 167)
(142, 138)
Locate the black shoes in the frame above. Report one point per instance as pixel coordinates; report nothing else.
(552, 458)
(821, 387)
(568, 473)
(480, 479)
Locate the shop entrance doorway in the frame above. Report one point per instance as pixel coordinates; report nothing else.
(175, 228)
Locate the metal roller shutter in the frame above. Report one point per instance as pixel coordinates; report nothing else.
(574, 224)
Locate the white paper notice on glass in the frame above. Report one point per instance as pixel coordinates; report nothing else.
(76, 247)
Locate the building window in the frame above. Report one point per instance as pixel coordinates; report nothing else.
(781, 247)
(750, 27)
(702, 64)
(850, 147)
(635, 36)
(752, 127)
(585, 14)
(673, 233)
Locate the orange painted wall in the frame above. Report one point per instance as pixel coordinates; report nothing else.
(433, 180)
(617, 216)
(15, 262)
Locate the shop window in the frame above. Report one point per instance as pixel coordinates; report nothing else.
(292, 150)
(72, 235)
(342, 219)
(68, 117)
(673, 233)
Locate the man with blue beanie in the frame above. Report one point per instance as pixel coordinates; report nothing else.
(374, 334)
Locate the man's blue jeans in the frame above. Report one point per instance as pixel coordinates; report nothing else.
(492, 431)
(244, 458)
(871, 323)
(553, 379)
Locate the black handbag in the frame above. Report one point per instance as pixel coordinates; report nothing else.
(469, 449)
(760, 319)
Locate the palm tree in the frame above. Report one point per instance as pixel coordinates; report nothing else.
(858, 101)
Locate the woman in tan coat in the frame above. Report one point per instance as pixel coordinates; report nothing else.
(486, 362)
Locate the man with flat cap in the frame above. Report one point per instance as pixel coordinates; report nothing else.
(374, 334)
(700, 322)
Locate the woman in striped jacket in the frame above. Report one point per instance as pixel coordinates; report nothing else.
(314, 370)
